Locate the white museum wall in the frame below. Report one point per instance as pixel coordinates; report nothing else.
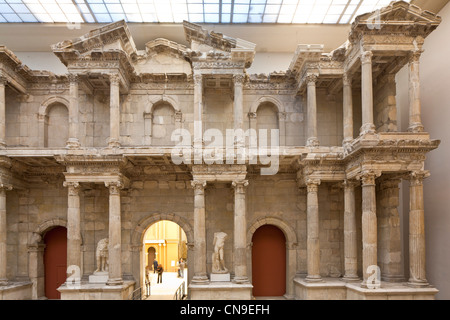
(435, 94)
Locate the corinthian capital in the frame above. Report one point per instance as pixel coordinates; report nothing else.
(198, 185)
(114, 187)
(73, 187)
(414, 56)
(312, 185)
(311, 79)
(366, 57)
(368, 177)
(239, 185)
(347, 79)
(238, 79)
(198, 79)
(73, 77)
(416, 177)
(114, 78)
(2, 80)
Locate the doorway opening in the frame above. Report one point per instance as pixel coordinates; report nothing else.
(55, 261)
(269, 262)
(165, 246)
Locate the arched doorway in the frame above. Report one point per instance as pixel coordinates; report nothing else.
(165, 242)
(268, 261)
(55, 261)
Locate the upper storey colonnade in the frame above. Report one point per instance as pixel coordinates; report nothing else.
(105, 64)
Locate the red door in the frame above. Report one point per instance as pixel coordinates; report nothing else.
(55, 261)
(268, 262)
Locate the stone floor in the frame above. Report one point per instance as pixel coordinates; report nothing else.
(168, 287)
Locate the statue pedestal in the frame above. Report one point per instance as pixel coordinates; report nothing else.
(220, 277)
(98, 277)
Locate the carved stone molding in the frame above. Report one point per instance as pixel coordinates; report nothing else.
(5, 187)
(252, 115)
(350, 183)
(347, 78)
(198, 79)
(414, 56)
(114, 78)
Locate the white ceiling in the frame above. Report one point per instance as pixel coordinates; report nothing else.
(31, 37)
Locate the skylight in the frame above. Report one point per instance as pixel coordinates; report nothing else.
(196, 11)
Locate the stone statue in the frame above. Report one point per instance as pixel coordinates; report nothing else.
(218, 264)
(102, 256)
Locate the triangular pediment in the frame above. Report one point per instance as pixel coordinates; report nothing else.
(112, 36)
(400, 11)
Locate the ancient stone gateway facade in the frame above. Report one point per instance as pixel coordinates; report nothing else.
(130, 137)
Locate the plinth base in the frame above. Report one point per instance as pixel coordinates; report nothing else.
(96, 291)
(336, 289)
(221, 291)
(220, 277)
(16, 291)
(100, 277)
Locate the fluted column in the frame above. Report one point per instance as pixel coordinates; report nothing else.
(348, 108)
(369, 224)
(240, 232)
(238, 106)
(312, 139)
(417, 277)
(73, 224)
(114, 111)
(115, 234)
(350, 236)
(199, 232)
(415, 120)
(2, 112)
(367, 93)
(312, 226)
(73, 141)
(3, 234)
(198, 115)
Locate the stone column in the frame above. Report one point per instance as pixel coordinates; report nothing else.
(312, 226)
(350, 236)
(199, 232)
(114, 112)
(2, 112)
(348, 108)
(312, 140)
(198, 111)
(3, 234)
(115, 235)
(282, 126)
(369, 224)
(415, 121)
(73, 141)
(417, 277)
(73, 224)
(238, 107)
(148, 122)
(240, 232)
(367, 93)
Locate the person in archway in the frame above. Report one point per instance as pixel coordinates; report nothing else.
(155, 265)
(160, 270)
(181, 270)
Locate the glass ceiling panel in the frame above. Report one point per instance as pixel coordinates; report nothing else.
(197, 11)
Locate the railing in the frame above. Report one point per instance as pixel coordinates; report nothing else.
(180, 293)
(136, 294)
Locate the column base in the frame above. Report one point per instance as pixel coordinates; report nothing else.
(367, 128)
(73, 143)
(200, 279)
(416, 128)
(241, 280)
(418, 283)
(351, 278)
(312, 142)
(113, 143)
(3, 282)
(313, 278)
(2, 144)
(114, 282)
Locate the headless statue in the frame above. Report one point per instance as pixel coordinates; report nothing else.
(102, 255)
(218, 263)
